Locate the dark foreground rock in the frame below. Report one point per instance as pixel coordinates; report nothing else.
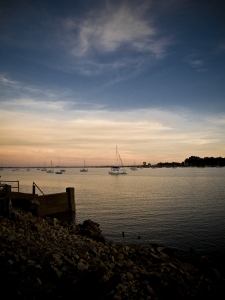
(45, 258)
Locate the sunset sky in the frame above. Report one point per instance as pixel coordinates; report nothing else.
(79, 77)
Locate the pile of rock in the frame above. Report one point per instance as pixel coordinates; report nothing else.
(43, 257)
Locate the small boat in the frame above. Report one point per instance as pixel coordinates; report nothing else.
(218, 166)
(50, 170)
(133, 168)
(118, 168)
(58, 172)
(44, 168)
(85, 168)
(63, 170)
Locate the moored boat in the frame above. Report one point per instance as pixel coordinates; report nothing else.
(58, 172)
(85, 168)
(50, 170)
(134, 167)
(118, 168)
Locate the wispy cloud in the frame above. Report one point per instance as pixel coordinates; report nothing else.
(107, 38)
(23, 92)
(140, 133)
(110, 28)
(4, 80)
(198, 64)
(113, 29)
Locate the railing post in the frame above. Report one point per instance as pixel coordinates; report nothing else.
(33, 189)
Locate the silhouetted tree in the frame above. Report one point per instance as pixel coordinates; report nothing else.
(206, 161)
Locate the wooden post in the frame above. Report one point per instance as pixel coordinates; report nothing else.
(71, 198)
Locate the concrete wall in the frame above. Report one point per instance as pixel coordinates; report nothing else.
(56, 203)
(52, 204)
(48, 204)
(17, 196)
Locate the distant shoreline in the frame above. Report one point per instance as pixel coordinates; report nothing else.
(127, 166)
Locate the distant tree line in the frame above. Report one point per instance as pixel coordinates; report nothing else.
(162, 164)
(196, 161)
(192, 161)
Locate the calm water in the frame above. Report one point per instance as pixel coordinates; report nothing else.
(181, 207)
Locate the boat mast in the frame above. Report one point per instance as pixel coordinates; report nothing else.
(121, 163)
(117, 163)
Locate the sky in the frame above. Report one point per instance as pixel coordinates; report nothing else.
(78, 78)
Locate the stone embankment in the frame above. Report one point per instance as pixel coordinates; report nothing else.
(45, 258)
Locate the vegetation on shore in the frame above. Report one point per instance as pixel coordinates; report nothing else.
(192, 161)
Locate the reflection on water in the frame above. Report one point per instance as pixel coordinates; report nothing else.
(181, 208)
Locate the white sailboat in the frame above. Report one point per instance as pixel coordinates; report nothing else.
(59, 171)
(218, 166)
(118, 168)
(63, 170)
(50, 170)
(134, 167)
(85, 168)
(44, 168)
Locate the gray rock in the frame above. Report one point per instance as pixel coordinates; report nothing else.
(48, 261)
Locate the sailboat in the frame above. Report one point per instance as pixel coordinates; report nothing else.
(44, 168)
(118, 168)
(85, 168)
(63, 170)
(134, 167)
(50, 170)
(59, 171)
(218, 166)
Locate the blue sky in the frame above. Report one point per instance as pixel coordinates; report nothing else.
(78, 78)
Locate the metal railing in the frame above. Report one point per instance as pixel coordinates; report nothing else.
(5, 182)
(34, 185)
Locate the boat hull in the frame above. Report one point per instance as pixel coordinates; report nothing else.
(117, 171)
(118, 168)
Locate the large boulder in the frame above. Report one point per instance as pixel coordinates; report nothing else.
(92, 230)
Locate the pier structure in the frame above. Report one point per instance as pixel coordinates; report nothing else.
(41, 205)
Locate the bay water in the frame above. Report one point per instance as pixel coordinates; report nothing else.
(181, 208)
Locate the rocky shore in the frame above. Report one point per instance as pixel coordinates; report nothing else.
(43, 257)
